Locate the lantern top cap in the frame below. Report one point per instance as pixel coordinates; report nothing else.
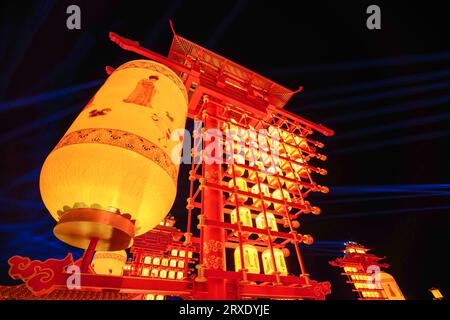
(190, 54)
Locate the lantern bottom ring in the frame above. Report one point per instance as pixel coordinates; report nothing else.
(79, 225)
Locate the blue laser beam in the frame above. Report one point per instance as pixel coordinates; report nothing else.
(389, 109)
(361, 64)
(344, 102)
(43, 97)
(393, 142)
(355, 87)
(393, 126)
(380, 212)
(17, 132)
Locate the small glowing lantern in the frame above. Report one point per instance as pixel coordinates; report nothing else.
(259, 171)
(300, 168)
(181, 264)
(245, 217)
(111, 177)
(292, 186)
(165, 262)
(111, 263)
(251, 260)
(268, 266)
(171, 274)
(281, 194)
(182, 253)
(261, 221)
(272, 178)
(174, 252)
(180, 275)
(265, 191)
(301, 142)
(173, 263)
(241, 185)
(159, 297)
(239, 171)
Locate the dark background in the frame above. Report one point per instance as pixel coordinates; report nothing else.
(384, 92)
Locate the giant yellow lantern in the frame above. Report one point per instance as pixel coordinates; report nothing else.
(279, 262)
(251, 260)
(109, 262)
(111, 176)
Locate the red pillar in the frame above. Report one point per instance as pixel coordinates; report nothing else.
(87, 257)
(213, 237)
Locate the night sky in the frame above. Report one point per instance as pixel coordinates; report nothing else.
(384, 92)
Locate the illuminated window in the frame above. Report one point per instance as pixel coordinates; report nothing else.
(149, 297)
(148, 260)
(179, 275)
(165, 262)
(159, 297)
(171, 274)
(174, 252)
(182, 253)
(154, 273)
(156, 261)
(173, 263)
(163, 274)
(181, 264)
(145, 272)
(190, 254)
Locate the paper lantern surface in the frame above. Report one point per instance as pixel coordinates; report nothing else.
(116, 157)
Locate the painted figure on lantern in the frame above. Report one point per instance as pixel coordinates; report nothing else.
(144, 92)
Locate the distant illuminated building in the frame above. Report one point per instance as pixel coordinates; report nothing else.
(363, 271)
(437, 295)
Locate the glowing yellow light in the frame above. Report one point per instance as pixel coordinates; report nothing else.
(173, 263)
(145, 272)
(149, 296)
(111, 263)
(261, 221)
(257, 189)
(154, 273)
(180, 275)
(163, 274)
(436, 293)
(245, 217)
(238, 170)
(174, 252)
(292, 185)
(156, 261)
(116, 158)
(241, 184)
(251, 260)
(182, 253)
(171, 274)
(181, 264)
(148, 260)
(301, 142)
(259, 171)
(281, 194)
(165, 262)
(269, 268)
(272, 179)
